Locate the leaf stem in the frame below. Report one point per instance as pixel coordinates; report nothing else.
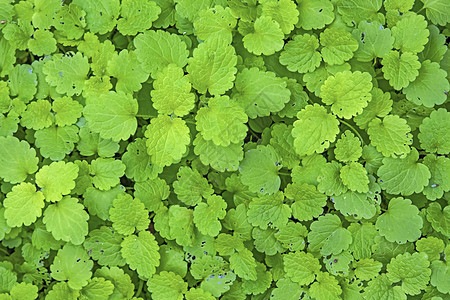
(139, 290)
(284, 173)
(423, 7)
(4, 251)
(354, 130)
(190, 122)
(254, 134)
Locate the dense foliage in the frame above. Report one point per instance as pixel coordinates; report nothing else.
(232, 149)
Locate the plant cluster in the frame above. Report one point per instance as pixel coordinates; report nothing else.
(224, 149)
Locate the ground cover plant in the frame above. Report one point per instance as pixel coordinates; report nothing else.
(224, 149)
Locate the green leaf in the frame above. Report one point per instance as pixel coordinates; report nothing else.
(338, 46)
(25, 291)
(266, 37)
(207, 216)
(268, 210)
(403, 176)
(223, 121)
(328, 236)
(56, 142)
(17, 159)
(215, 21)
(358, 10)
(138, 162)
(141, 253)
(181, 224)
(42, 43)
(212, 67)
(354, 176)
(435, 131)
(259, 170)
(401, 222)
(439, 275)
(291, 235)
(314, 130)
(112, 115)
(301, 267)
(284, 12)
(99, 202)
(167, 139)
(439, 218)
(7, 52)
(431, 246)
(103, 245)
(266, 242)
(300, 54)
(67, 111)
(23, 205)
(367, 268)
(308, 202)
(198, 293)
(357, 204)
(286, 290)
(57, 179)
(106, 172)
(400, 70)
(92, 144)
(262, 282)
(243, 264)
(363, 236)
(172, 259)
(379, 106)
(67, 220)
(381, 288)
(191, 186)
(348, 147)
(22, 82)
(329, 179)
(128, 214)
(391, 136)
(101, 16)
(158, 49)
(439, 167)
(435, 10)
(152, 193)
(413, 280)
(411, 33)
(18, 34)
(70, 21)
(38, 115)
(347, 93)
(127, 69)
(260, 93)
(123, 287)
(72, 264)
(99, 52)
(167, 285)
(219, 158)
(97, 288)
(137, 16)
(67, 73)
(326, 287)
(236, 220)
(172, 92)
(315, 14)
(373, 40)
(283, 143)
